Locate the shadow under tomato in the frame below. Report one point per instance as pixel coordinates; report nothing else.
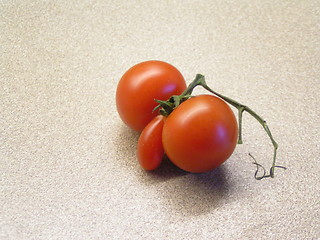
(167, 170)
(189, 194)
(196, 194)
(181, 192)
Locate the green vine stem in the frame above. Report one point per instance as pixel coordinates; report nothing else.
(168, 106)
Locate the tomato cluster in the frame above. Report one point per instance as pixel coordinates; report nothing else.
(197, 133)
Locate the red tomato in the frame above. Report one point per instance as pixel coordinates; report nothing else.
(200, 134)
(150, 149)
(141, 85)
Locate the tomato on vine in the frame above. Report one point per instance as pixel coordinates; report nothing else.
(201, 132)
(197, 133)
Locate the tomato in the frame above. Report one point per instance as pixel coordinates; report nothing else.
(200, 134)
(150, 149)
(141, 85)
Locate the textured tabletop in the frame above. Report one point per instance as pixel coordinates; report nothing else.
(68, 166)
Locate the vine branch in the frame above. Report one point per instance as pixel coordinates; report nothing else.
(200, 81)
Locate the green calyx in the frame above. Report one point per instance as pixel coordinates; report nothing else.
(166, 107)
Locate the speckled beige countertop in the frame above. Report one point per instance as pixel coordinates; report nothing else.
(68, 168)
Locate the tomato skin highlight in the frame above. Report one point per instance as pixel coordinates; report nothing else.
(140, 86)
(150, 149)
(200, 134)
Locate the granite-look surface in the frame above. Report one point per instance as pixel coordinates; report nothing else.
(68, 168)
